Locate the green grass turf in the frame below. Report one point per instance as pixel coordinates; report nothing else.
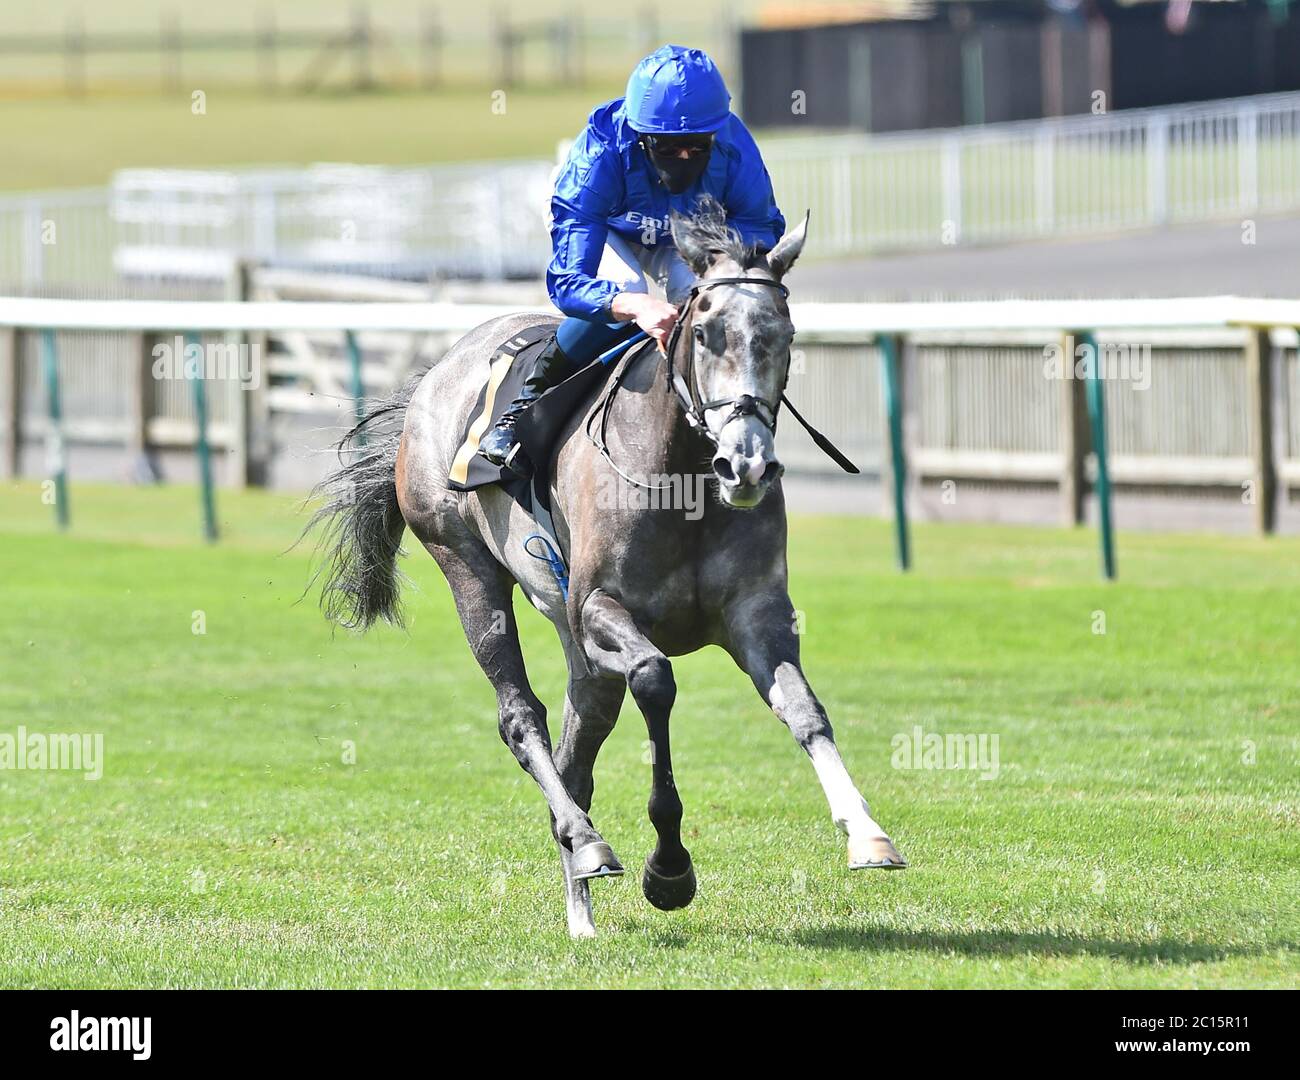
(59, 142)
(1125, 842)
(127, 119)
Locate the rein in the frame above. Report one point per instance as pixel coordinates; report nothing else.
(683, 384)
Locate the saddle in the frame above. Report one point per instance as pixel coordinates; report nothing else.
(541, 423)
(537, 430)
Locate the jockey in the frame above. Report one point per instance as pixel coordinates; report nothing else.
(670, 140)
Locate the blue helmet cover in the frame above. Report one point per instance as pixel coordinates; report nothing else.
(676, 91)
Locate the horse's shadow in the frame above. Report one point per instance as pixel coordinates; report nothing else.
(1042, 945)
(995, 943)
(984, 943)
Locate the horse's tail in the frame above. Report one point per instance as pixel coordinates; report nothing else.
(359, 523)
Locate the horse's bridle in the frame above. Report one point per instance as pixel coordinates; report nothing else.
(684, 385)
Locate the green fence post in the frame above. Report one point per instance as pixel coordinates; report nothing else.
(197, 375)
(56, 447)
(972, 80)
(891, 388)
(1097, 419)
(358, 384)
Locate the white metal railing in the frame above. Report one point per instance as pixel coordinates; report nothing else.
(1043, 178)
(1032, 179)
(482, 219)
(456, 219)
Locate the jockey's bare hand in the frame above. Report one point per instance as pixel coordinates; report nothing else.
(656, 317)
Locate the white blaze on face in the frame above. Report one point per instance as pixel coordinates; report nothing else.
(746, 443)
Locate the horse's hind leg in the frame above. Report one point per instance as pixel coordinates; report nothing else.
(481, 588)
(616, 646)
(763, 641)
(591, 706)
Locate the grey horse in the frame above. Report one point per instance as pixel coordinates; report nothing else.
(648, 579)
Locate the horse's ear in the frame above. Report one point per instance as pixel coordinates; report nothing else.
(692, 247)
(782, 257)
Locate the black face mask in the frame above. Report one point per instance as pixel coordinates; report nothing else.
(677, 174)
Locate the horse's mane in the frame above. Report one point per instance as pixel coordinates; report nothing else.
(703, 236)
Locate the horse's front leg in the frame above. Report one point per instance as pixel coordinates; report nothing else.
(616, 646)
(763, 640)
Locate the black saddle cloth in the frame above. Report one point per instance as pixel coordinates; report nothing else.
(538, 427)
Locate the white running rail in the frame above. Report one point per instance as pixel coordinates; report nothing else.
(842, 322)
(1210, 399)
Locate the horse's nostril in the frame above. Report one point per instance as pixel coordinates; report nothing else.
(723, 468)
(773, 471)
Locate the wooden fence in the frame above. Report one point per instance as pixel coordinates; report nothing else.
(361, 52)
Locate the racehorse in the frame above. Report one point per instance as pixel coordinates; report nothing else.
(645, 582)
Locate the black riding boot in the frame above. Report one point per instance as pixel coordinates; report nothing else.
(499, 445)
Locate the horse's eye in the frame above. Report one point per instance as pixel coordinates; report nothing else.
(699, 334)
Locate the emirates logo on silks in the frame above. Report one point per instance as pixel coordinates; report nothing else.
(647, 221)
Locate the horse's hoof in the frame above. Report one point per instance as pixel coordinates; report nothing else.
(668, 893)
(595, 860)
(875, 853)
